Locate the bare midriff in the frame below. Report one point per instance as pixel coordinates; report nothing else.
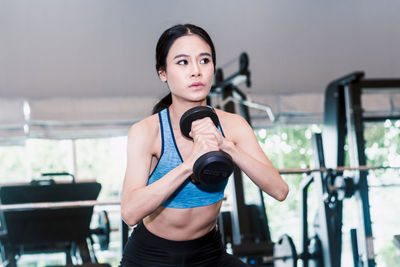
(183, 224)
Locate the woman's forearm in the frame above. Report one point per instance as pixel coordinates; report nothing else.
(140, 202)
(264, 175)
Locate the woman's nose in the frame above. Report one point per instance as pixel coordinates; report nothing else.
(196, 70)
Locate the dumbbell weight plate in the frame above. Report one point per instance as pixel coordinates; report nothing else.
(213, 167)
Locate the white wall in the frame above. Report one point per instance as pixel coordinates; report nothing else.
(101, 48)
(80, 53)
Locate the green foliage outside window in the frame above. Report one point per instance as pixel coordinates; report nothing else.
(13, 165)
(290, 147)
(287, 147)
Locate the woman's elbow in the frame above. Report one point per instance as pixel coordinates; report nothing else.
(128, 217)
(283, 192)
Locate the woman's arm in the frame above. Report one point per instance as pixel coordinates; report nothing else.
(139, 199)
(247, 154)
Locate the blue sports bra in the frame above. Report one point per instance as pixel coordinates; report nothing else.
(188, 195)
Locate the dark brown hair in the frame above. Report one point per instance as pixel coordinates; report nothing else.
(164, 44)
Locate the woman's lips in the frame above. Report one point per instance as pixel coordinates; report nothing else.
(196, 84)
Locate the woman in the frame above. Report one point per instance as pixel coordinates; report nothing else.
(176, 219)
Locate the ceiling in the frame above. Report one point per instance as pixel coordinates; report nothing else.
(102, 48)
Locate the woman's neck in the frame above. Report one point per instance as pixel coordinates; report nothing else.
(176, 110)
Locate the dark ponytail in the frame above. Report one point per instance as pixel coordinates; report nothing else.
(165, 102)
(164, 44)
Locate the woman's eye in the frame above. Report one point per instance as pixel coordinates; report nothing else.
(204, 60)
(182, 62)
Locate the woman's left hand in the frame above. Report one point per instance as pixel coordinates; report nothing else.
(206, 126)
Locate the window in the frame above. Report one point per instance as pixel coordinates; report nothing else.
(287, 147)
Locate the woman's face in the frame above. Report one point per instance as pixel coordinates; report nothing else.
(189, 68)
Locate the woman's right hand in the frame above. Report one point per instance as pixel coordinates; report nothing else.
(205, 139)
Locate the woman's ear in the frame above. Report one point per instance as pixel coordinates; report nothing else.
(162, 75)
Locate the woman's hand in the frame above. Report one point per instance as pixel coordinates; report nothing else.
(206, 138)
(207, 126)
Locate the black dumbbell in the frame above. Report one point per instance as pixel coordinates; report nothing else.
(212, 167)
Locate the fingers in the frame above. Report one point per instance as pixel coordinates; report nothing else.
(202, 144)
(206, 138)
(206, 142)
(205, 126)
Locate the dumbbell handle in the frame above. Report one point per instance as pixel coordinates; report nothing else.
(194, 114)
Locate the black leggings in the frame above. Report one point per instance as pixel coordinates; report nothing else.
(145, 249)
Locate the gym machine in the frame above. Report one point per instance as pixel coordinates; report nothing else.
(245, 228)
(344, 117)
(33, 230)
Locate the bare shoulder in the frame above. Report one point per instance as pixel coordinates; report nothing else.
(233, 124)
(230, 118)
(146, 126)
(145, 132)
